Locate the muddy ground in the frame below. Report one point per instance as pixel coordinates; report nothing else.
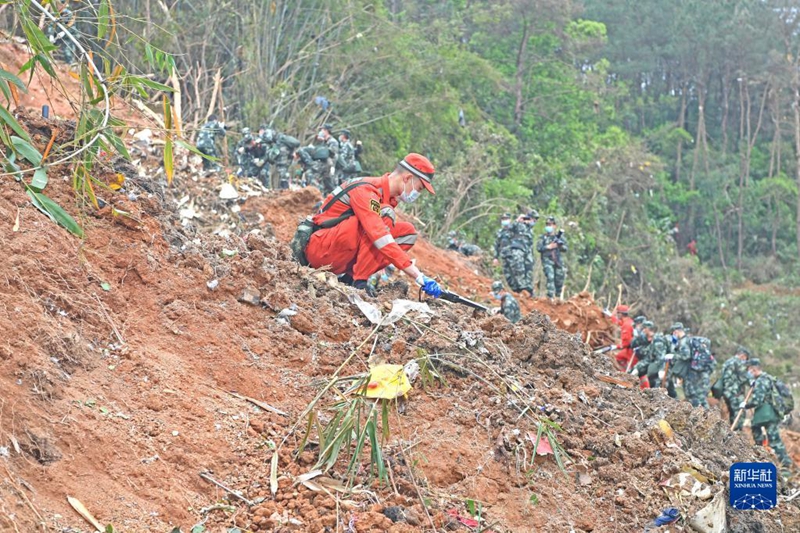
(130, 361)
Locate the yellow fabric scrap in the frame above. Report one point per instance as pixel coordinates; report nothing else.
(387, 382)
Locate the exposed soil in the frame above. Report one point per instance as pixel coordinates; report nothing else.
(120, 353)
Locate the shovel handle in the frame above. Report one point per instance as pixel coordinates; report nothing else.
(739, 414)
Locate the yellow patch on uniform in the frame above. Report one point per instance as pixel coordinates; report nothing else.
(375, 206)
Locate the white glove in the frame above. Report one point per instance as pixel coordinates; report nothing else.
(241, 149)
(661, 374)
(742, 405)
(669, 356)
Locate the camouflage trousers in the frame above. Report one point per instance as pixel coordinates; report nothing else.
(554, 275)
(510, 309)
(211, 151)
(283, 174)
(774, 439)
(696, 386)
(518, 270)
(733, 409)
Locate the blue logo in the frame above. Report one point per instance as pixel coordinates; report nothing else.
(753, 486)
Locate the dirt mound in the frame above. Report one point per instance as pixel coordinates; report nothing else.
(278, 213)
(580, 314)
(121, 351)
(151, 352)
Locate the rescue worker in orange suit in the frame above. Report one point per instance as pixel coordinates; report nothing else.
(368, 238)
(625, 358)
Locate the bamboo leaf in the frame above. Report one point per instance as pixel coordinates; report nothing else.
(169, 169)
(103, 19)
(26, 150)
(193, 149)
(118, 145)
(6, 75)
(10, 121)
(46, 64)
(39, 180)
(54, 212)
(145, 82)
(87, 86)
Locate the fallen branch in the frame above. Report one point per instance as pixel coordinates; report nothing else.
(258, 403)
(613, 381)
(230, 491)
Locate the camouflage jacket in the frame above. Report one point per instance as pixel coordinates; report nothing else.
(551, 255)
(682, 361)
(761, 400)
(515, 236)
(734, 378)
(651, 355)
(209, 133)
(509, 307)
(346, 160)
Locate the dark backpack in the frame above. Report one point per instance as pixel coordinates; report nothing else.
(306, 228)
(716, 389)
(288, 141)
(782, 399)
(702, 360)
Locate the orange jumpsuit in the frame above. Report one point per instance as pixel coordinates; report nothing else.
(625, 353)
(365, 242)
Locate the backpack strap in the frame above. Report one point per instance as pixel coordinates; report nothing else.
(338, 196)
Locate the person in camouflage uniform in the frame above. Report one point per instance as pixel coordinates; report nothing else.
(765, 417)
(551, 246)
(455, 242)
(347, 167)
(697, 383)
(286, 145)
(244, 158)
(734, 383)
(514, 247)
(318, 160)
(637, 326)
(58, 37)
(509, 307)
(653, 349)
(680, 358)
(207, 141)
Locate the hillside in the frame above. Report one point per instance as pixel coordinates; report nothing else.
(122, 352)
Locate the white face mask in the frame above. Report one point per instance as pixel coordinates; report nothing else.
(409, 197)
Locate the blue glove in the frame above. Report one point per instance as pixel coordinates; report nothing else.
(430, 287)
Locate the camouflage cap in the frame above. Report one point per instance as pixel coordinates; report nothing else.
(506, 215)
(754, 362)
(648, 324)
(676, 325)
(345, 133)
(551, 220)
(533, 213)
(497, 286)
(743, 351)
(328, 126)
(639, 319)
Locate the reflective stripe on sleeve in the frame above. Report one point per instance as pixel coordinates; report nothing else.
(407, 239)
(383, 241)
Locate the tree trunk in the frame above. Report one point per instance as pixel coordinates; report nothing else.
(796, 108)
(682, 125)
(520, 75)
